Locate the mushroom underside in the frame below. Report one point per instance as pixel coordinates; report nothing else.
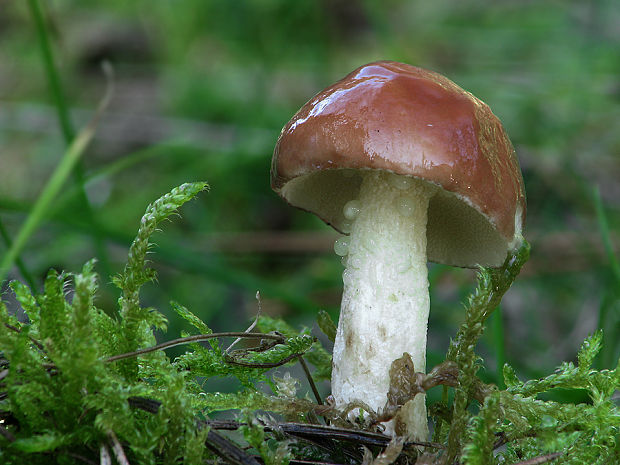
(458, 234)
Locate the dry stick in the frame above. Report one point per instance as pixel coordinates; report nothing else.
(227, 351)
(228, 451)
(33, 340)
(322, 432)
(215, 441)
(301, 359)
(104, 455)
(196, 338)
(303, 430)
(279, 363)
(199, 338)
(119, 453)
(315, 391)
(502, 438)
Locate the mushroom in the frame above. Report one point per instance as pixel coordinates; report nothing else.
(410, 167)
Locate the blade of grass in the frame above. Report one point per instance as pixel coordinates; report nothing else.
(50, 71)
(66, 127)
(188, 260)
(603, 227)
(606, 322)
(117, 166)
(183, 258)
(47, 196)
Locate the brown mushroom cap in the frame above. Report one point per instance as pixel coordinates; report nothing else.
(406, 120)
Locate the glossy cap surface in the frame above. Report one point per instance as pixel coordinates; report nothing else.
(410, 121)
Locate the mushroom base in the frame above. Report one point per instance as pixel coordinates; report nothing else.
(385, 302)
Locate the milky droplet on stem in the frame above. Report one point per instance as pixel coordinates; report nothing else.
(341, 246)
(351, 209)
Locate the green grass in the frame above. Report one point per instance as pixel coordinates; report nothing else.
(609, 310)
(46, 198)
(64, 120)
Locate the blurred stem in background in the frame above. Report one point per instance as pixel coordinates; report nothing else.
(51, 73)
(610, 301)
(604, 229)
(46, 198)
(67, 129)
(169, 253)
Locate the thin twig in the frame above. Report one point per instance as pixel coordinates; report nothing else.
(228, 451)
(119, 453)
(195, 338)
(307, 432)
(315, 391)
(33, 340)
(323, 432)
(104, 455)
(502, 438)
(252, 326)
(279, 363)
(142, 403)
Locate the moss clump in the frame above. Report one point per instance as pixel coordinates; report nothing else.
(80, 386)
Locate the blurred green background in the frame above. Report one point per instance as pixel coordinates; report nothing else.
(201, 90)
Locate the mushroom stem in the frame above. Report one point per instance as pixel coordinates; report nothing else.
(385, 302)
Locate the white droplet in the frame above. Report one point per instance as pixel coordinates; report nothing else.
(401, 182)
(351, 209)
(346, 226)
(405, 206)
(341, 246)
(344, 260)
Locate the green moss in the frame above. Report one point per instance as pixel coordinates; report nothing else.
(63, 399)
